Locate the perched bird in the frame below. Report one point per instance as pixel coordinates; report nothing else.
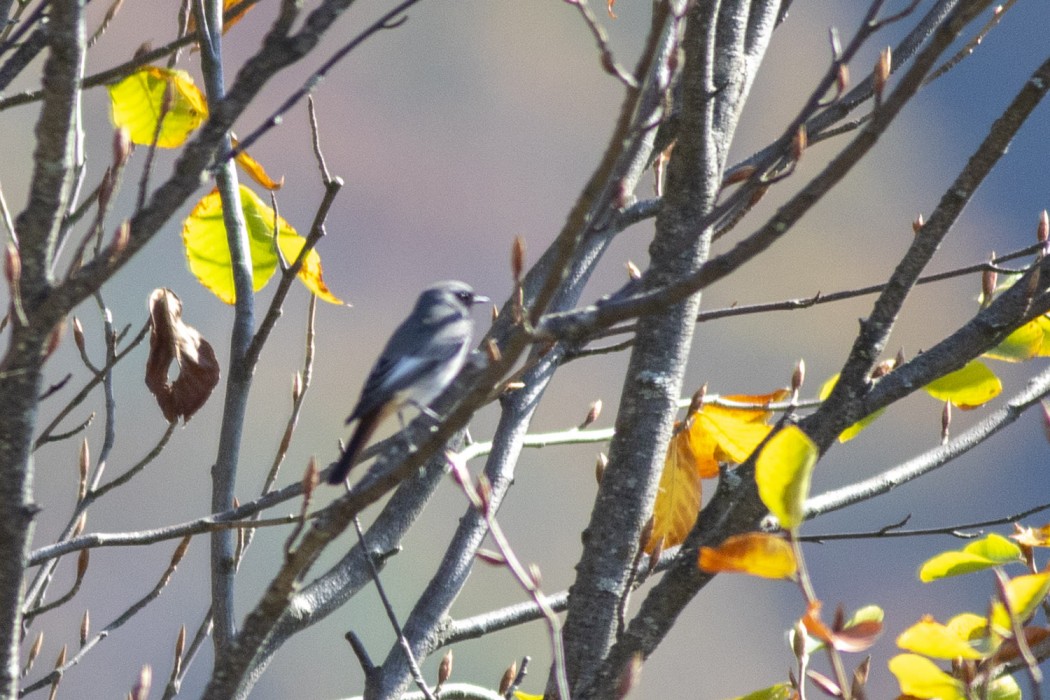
(419, 361)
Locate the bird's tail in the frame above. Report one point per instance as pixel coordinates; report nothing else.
(366, 425)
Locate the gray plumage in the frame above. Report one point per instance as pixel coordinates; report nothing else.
(419, 361)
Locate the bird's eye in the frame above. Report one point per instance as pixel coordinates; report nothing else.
(466, 297)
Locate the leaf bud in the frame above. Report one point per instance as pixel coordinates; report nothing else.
(517, 258)
(798, 640)
(738, 174)
(491, 557)
(12, 265)
(599, 466)
(842, 79)
(180, 551)
(311, 478)
(798, 377)
(141, 689)
(882, 72)
(484, 490)
(1042, 231)
(989, 280)
(121, 146)
(297, 386)
(495, 313)
(917, 224)
(120, 241)
(633, 272)
(697, 402)
(180, 644)
(592, 414)
(85, 627)
(55, 338)
(508, 678)
(444, 669)
(492, 351)
(898, 360)
(83, 464)
(78, 335)
(629, 677)
(61, 660)
(34, 652)
(83, 559)
(799, 143)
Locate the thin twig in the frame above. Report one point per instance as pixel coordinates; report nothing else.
(413, 665)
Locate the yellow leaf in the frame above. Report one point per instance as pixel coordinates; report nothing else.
(208, 253)
(137, 102)
(782, 473)
(921, 678)
(854, 430)
(526, 696)
(968, 626)
(1023, 344)
(930, 638)
(969, 387)
(755, 553)
(256, 171)
(678, 500)
(1044, 324)
(1025, 594)
(985, 553)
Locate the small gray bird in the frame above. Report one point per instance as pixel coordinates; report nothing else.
(419, 362)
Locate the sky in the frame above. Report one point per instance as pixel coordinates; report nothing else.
(473, 123)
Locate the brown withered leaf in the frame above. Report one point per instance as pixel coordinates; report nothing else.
(172, 340)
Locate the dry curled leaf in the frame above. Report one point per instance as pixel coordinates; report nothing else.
(172, 340)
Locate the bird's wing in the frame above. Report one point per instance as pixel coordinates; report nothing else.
(399, 366)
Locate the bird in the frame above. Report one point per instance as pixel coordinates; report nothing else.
(419, 361)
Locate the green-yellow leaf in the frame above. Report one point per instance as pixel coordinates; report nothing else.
(985, 553)
(854, 430)
(1023, 344)
(1025, 594)
(138, 101)
(208, 253)
(1004, 688)
(969, 387)
(782, 473)
(930, 638)
(921, 678)
(780, 691)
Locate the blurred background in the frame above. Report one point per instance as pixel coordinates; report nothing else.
(472, 123)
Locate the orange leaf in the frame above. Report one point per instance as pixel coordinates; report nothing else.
(256, 171)
(847, 637)
(678, 500)
(755, 553)
(1032, 537)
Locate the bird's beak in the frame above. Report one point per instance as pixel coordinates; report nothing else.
(480, 299)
